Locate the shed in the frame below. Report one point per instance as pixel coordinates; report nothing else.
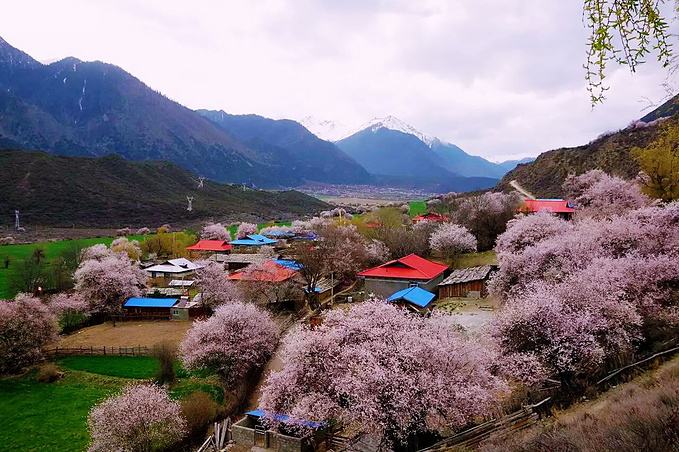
(408, 271)
(430, 216)
(173, 268)
(466, 282)
(253, 431)
(149, 307)
(187, 310)
(414, 298)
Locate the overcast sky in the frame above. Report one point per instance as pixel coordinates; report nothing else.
(500, 78)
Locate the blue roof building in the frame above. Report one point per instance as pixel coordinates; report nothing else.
(157, 303)
(289, 263)
(415, 297)
(253, 240)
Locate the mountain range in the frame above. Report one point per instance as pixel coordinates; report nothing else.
(76, 108)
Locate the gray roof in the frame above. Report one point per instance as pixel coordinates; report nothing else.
(253, 258)
(464, 275)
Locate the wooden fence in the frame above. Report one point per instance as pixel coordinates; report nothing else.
(219, 439)
(98, 351)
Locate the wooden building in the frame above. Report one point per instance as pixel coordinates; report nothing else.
(466, 283)
(151, 308)
(398, 274)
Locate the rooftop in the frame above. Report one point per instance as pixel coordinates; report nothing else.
(413, 295)
(411, 266)
(210, 245)
(269, 271)
(254, 240)
(548, 205)
(141, 302)
(463, 275)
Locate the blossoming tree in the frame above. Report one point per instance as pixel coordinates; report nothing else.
(236, 339)
(214, 231)
(245, 229)
(379, 370)
(215, 288)
(26, 325)
(451, 240)
(141, 418)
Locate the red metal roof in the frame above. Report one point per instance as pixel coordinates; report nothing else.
(269, 271)
(411, 266)
(431, 216)
(210, 245)
(549, 205)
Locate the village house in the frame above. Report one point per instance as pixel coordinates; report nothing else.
(466, 283)
(187, 310)
(150, 308)
(173, 269)
(559, 207)
(324, 288)
(237, 261)
(413, 298)
(408, 271)
(209, 247)
(269, 271)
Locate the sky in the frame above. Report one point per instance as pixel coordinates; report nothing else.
(500, 78)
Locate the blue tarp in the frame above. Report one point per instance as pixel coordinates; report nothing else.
(254, 240)
(414, 295)
(140, 302)
(283, 418)
(289, 263)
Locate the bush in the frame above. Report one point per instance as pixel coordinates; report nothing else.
(48, 373)
(199, 410)
(166, 353)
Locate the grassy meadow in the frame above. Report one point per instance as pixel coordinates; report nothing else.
(18, 253)
(45, 417)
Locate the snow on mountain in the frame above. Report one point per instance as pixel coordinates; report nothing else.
(326, 129)
(393, 123)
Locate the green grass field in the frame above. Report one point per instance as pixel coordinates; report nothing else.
(18, 253)
(53, 416)
(417, 208)
(475, 259)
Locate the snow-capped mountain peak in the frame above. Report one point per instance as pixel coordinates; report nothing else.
(326, 129)
(393, 123)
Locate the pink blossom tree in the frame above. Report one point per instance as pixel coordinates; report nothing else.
(215, 231)
(95, 252)
(267, 283)
(245, 229)
(598, 195)
(71, 309)
(107, 282)
(379, 370)
(215, 288)
(526, 231)
(26, 325)
(450, 240)
(376, 252)
(141, 418)
(239, 337)
(129, 247)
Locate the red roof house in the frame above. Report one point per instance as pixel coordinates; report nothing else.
(431, 216)
(398, 274)
(269, 271)
(560, 207)
(211, 246)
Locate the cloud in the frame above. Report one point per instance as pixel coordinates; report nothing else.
(500, 78)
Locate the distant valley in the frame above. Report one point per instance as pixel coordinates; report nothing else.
(93, 109)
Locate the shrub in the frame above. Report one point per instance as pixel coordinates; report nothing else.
(143, 231)
(166, 354)
(48, 373)
(199, 410)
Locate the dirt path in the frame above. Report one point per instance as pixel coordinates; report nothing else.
(521, 190)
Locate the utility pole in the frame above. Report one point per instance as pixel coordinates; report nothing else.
(190, 200)
(17, 225)
(201, 179)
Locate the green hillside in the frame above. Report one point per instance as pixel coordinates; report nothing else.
(113, 192)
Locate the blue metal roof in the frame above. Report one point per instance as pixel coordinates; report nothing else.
(141, 302)
(289, 263)
(414, 295)
(253, 240)
(283, 418)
